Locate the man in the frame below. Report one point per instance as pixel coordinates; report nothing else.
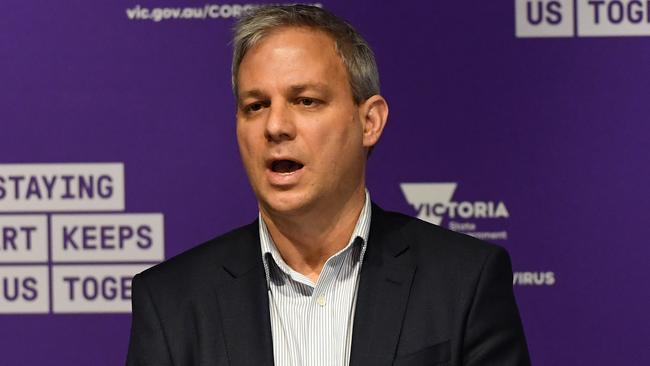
(323, 277)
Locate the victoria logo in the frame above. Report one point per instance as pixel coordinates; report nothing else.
(433, 202)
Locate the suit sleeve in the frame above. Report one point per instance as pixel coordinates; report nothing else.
(147, 345)
(494, 333)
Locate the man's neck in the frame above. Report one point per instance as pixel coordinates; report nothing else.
(307, 241)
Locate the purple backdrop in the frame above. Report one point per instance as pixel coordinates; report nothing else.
(554, 128)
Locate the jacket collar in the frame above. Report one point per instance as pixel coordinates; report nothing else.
(385, 282)
(244, 303)
(384, 288)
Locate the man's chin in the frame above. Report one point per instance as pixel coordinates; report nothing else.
(285, 204)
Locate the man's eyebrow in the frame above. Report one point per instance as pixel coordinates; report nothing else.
(293, 89)
(298, 88)
(253, 93)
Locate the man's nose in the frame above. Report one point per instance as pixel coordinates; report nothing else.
(279, 124)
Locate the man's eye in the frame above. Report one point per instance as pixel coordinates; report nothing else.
(254, 107)
(307, 102)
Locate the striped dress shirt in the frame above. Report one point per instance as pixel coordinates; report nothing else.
(311, 323)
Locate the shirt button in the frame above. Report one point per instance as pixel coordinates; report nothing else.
(321, 300)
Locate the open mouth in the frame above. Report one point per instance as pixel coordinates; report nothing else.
(285, 166)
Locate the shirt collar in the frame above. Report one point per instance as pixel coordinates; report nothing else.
(359, 235)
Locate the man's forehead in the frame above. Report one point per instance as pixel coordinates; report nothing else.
(294, 42)
(296, 30)
(297, 58)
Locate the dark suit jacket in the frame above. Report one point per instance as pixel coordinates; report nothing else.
(427, 296)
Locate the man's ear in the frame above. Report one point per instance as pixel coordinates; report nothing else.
(374, 114)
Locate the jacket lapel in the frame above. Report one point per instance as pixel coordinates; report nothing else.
(386, 276)
(244, 305)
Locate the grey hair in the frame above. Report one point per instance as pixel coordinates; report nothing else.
(357, 56)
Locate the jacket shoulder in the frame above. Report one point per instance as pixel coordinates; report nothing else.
(203, 259)
(432, 241)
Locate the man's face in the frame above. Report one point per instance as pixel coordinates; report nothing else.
(299, 131)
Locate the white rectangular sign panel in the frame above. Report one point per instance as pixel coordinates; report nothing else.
(23, 238)
(93, 289)
(122, 237)
(24, 289)
(61, 187)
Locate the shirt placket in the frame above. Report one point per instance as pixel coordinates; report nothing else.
(327, 344)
